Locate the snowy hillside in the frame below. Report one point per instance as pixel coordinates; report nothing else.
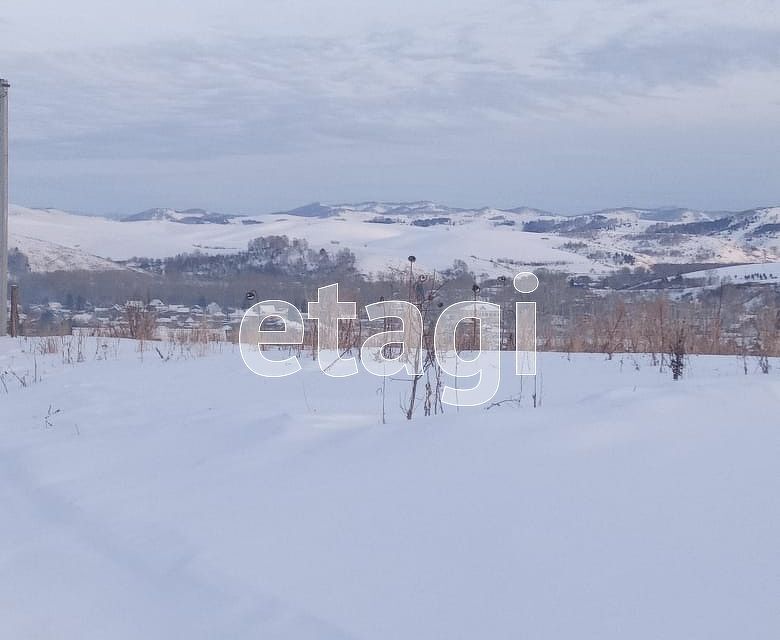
(382, 235)
(753, 273)
(479, 238)
(626, 506)
(44, 256)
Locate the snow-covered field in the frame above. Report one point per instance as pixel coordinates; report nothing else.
(187, 498)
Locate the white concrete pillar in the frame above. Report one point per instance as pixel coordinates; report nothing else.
(3, 206)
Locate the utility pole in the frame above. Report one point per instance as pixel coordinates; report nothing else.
(4, 85)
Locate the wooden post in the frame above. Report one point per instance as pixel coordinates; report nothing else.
(14, 329)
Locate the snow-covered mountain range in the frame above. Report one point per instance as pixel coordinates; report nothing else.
(383, 234)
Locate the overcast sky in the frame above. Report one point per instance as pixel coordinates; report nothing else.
(256, 106)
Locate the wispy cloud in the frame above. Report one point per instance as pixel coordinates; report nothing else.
(690, 57)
